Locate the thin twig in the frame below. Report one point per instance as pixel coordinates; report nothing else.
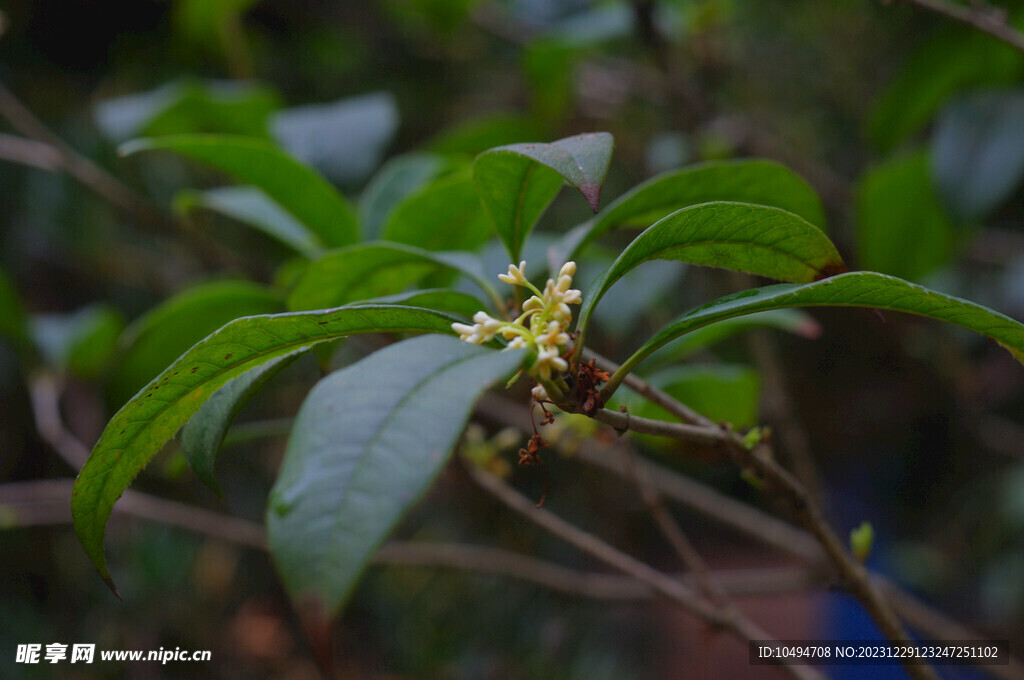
(46, 150)
(29, 152)
(778, 480)
(779, 411)
(676, 537)
(44, 393)
(45, 502)
(661, 583)
(714, 505)
(651, 393)
(747, 520)
(983, 17)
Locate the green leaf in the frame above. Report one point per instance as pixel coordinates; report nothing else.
(978, 152)
(203, 435)
(83, 342)
(137, 432)
(155, 339)
(855, 289)
(480, 133)
(745, 181)
(582, 160)
(902, 229)
(516, 191)
(397, 179)
(345, 139)
(749, 238)
(549, 68)
(441, 299)
(723, 392)
(188, 107)
(251, 206)
(13, 322)
(295, 187)
(788, 320)
(443, 215)
(635, 295)
(953, 59)
(367, 442)
(373, 269)
(213, 26)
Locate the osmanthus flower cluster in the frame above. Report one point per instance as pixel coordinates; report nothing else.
(542, 328)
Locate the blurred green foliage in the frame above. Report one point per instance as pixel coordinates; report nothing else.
(889, 113)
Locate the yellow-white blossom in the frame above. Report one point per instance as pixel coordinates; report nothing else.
(547, 361)
(542, 326)
(515, 275)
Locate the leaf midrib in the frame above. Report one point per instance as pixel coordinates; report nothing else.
(410, 394)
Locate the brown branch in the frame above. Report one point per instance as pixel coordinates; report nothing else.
(779, 481)
(778, 409)
(45, 502)
(29, 152)
(44, 393)
(661, 583)
(77, 165)
(853, 574)
(45, 401)
(707, 502)
(738, 516)
(983, 17)
(649, 392)
(677, 538)
(45, 150)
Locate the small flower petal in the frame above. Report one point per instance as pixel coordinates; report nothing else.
(532, 304)
(515, 275)
(572, 297)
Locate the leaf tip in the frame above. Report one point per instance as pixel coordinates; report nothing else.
(808, 328)
(110, 583)
(131, 146)
(592, 193)
(316, 623)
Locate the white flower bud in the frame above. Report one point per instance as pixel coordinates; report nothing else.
(532, 304)
(572, 297)
(462, 329)
(548, 359)
(539, 393)
(515, 275)
(488, 323)
(562, 314)
(568, 269)
(563, 284)
(553, 336)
